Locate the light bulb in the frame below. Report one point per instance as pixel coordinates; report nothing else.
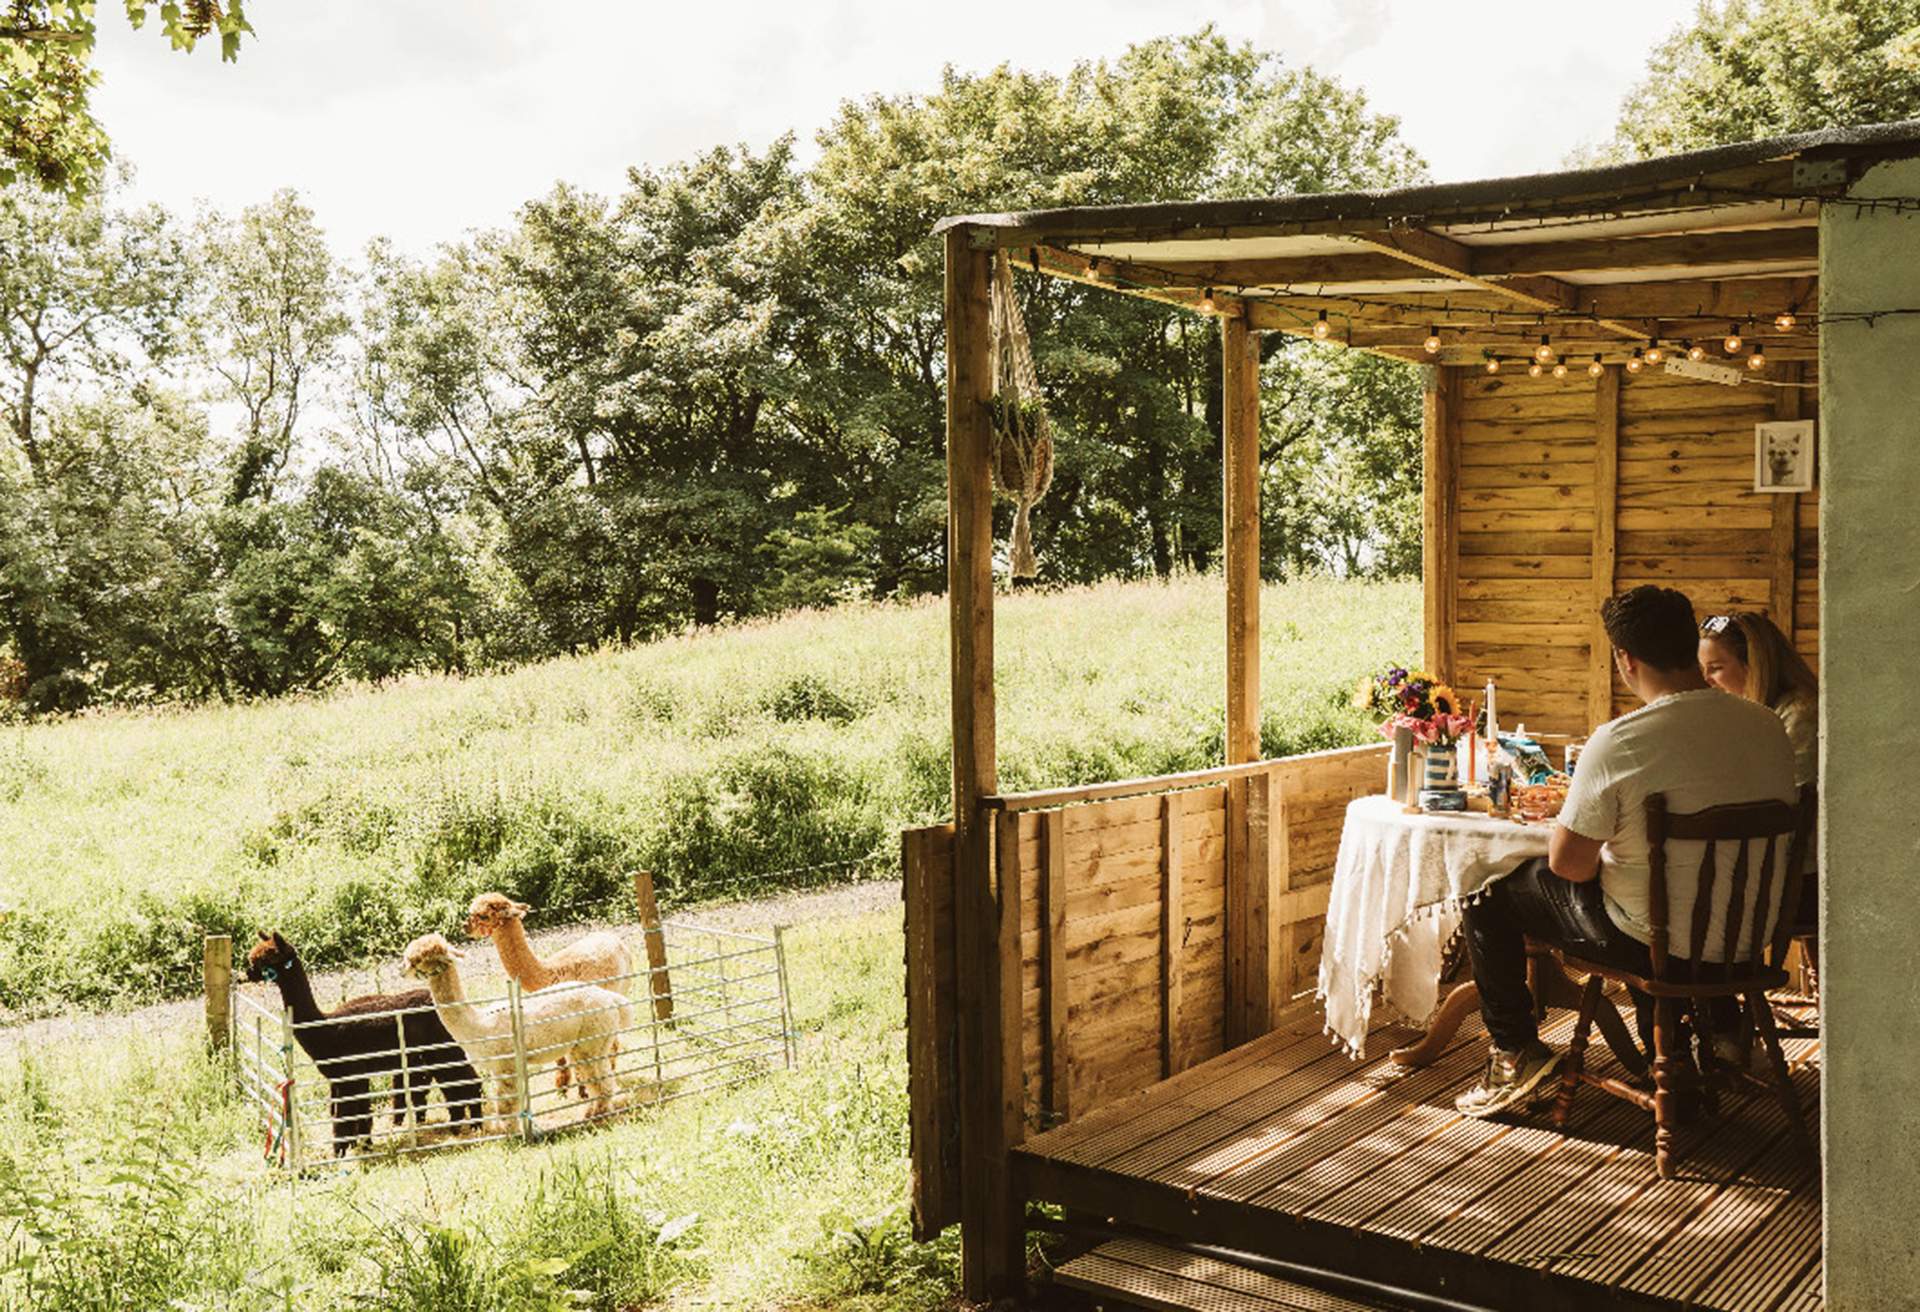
(1206, 301)
(1695, 352)
(1535, 369)
(1559, 368)
(1654, 354)
(1493, 365)
(1758, 360)
(1433, 341)
(1321, 327)
(1785, 321)
(1635, 363)
(1733, 342)
(1595, 369)
(1544, 352)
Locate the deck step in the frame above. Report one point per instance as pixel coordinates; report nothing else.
(1148, 1275)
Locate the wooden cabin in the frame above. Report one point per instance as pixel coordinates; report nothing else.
(1110, 986)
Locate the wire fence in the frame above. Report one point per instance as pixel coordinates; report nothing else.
(710, 1011)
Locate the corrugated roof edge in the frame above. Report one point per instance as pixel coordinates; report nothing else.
(1430, 198)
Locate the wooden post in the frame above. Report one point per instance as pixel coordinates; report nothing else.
(1606, 502)
(655, 937)
(1173, 933)
(1053, 962)
(1784, 543)
(1440, 514)
(1240, 451)
(216, 976)
(993, 1233)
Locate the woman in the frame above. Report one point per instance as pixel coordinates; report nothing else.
(1745, 654)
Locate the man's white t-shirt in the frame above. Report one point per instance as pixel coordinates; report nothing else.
(1702, 749)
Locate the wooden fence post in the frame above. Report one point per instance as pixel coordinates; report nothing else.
(216, 975)
(655, 937)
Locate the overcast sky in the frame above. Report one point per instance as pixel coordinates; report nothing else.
(423, 119)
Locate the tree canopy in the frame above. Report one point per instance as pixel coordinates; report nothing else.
(1745, 69)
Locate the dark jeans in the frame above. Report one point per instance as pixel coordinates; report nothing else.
(1533, 902)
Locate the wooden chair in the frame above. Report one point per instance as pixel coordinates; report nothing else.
(1747, 969)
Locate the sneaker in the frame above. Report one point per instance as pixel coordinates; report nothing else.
(1512, 1080)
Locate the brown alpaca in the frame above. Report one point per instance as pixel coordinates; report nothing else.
(599, 958)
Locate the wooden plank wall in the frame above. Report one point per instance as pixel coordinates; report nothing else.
(1537, 546)
(1123, 953)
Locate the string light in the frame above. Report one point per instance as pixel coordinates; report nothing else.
(1595, 369)
(1493, 364)
(1535, 369)
(1654, 353)
(1433, 341)
(1758, 360)
(1559, 368)
(1635, 364)
(1695, 352)
(1321, 327)
(1734, 341)
(1785, 321)
(1544, 352)
(1206, 301)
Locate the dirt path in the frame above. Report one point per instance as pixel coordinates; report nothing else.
(331, 986)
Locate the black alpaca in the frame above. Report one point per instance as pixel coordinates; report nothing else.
(359, 1045)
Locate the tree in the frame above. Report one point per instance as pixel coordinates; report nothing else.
(88, 294)
(1746, 69)
(48, 134)
(271, 322)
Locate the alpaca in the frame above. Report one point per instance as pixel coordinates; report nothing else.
(599, 958)
(360, 1043)
(582, 1020)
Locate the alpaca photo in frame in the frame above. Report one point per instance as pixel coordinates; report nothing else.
(1783, 456)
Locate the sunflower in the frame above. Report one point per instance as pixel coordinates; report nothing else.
(1445, 700)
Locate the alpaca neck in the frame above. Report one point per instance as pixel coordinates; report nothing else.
(296, 990)
(450, 997)
(516, 955)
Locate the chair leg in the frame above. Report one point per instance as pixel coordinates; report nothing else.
(1537, 984)
(1782, 1082)
(1666, 1103)
(1575, 1062)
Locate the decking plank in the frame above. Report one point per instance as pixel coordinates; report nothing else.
(1215, 1277)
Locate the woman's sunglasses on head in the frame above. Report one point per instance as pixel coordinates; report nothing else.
(1715, 625)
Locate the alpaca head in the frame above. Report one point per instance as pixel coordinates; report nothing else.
(430, 954)
(490, 911)
(270, 957)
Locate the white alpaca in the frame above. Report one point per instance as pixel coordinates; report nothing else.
(579, 1020)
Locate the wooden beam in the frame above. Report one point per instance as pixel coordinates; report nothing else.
(1798, 245)
(1053, 964)
(1606, 504)
(1440, 514)
(1783, 544)
(992, 1228)
(1729, 298)
(1240, 446)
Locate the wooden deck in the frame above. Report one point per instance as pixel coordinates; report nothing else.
(1286, 1148)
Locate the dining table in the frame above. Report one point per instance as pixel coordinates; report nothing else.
(1400, 884)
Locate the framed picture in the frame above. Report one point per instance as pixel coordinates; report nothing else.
(1783, 456)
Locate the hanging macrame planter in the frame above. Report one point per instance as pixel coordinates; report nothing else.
(1022, 437)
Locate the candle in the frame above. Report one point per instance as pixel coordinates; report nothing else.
(1493, 721)
(1472, 737)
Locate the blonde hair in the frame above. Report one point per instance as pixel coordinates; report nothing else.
(1775, 671)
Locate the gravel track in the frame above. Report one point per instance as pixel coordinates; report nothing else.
(332, 986)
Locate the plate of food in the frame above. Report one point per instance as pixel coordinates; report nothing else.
(1539, 803)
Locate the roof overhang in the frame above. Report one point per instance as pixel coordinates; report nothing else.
(1605, 260)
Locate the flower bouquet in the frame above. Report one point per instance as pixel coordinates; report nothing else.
(1419, 705)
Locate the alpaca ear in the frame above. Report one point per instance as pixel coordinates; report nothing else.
(520, 909)
(265, 937)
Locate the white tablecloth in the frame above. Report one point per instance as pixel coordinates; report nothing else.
(1398, 887)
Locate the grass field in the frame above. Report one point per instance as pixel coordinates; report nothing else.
(782, 752)
(131, 1176)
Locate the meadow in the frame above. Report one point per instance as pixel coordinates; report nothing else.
(782, 753)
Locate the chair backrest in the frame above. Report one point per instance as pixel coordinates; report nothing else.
(1761, 830)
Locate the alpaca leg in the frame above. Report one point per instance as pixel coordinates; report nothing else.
(352, 1119)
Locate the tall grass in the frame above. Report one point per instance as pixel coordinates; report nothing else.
(717, 760)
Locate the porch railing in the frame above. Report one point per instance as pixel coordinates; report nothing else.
(1160, 922)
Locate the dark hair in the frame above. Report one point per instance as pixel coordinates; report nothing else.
(1654, 626)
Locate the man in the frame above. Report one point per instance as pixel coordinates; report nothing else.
(1689, 741)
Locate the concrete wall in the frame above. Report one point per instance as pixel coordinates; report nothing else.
(1870, 671)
